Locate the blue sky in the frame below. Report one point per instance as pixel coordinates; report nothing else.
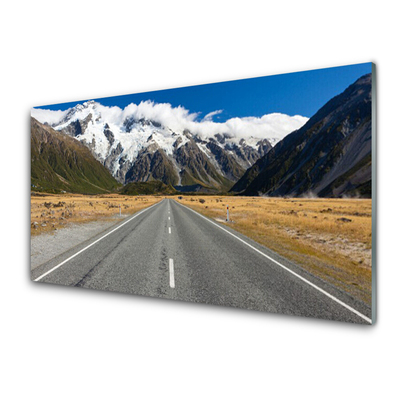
(299, 93)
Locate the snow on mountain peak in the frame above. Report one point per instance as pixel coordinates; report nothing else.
(120, 135)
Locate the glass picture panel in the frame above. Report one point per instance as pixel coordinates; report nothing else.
(257, 193)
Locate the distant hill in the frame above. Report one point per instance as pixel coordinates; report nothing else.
(147, 188)
(61, 163)
(330, 156)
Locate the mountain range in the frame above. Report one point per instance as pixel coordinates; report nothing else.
(135, 148)
(330, 156)
(91, 148)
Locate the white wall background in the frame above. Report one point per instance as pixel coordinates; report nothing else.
(62, 343)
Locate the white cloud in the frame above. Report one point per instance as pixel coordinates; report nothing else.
(49, 116)
(273, 126)
(175, 118)
(209, 116)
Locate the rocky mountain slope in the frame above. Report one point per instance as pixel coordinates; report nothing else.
(330, 156)
(61, 163)
(138, 149)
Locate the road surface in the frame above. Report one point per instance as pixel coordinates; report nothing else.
(170, 251)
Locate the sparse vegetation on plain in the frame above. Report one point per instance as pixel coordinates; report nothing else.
(331, 238)
(50, 212)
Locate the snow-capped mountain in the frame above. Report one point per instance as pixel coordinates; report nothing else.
(156, 141)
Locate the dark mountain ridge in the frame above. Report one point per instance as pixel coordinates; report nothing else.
(330, 156)
(61, 163)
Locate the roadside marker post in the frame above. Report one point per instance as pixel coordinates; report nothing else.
(227, 213)
(120, 210)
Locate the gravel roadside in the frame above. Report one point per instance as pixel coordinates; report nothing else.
(46, 246)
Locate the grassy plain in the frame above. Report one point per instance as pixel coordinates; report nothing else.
(331, 238)
(50, 212)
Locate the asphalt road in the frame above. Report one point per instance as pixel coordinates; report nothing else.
(170, 251)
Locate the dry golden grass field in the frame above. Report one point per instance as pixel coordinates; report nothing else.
(331, 238)
(50, 212)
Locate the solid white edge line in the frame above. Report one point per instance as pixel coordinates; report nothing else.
(286, 268)
(171, 273)
(90, 245)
